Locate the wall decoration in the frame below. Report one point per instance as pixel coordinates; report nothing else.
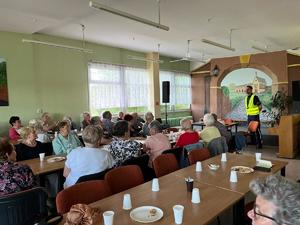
(3, 83)
(233, 89)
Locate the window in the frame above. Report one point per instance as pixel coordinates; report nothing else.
(180, 90)
(117, 88)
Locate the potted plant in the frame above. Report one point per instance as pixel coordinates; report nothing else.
(279, 105)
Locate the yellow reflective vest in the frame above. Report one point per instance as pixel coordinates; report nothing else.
(251, 108)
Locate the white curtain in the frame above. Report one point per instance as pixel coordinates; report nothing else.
(116, 87)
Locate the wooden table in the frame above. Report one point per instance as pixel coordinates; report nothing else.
(220, 178)
(202, 125)
(44, 167)
(172, 191)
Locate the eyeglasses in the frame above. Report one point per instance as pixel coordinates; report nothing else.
(257, 215)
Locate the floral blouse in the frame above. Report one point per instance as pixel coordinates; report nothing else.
(15, 177)
(121, 150)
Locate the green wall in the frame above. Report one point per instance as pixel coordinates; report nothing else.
(55, 79)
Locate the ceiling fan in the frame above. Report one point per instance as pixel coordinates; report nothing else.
(188, 56)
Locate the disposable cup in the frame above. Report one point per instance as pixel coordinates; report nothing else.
(127, 202)
(108, 217)
(155, 185)
(196, 196)
(42, 156)
(233, 176)
(198, 166)
(178, 213)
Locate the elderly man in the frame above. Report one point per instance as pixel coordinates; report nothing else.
(89, 159)
(277, 201)
(149, 118)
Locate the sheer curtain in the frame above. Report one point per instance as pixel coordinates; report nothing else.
(180, 89)
(117, 88)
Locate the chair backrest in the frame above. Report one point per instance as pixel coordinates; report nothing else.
(85, 193)
(191, 147)
(253, 125)
(124, 177)
(218, 146)
(141, 161)
(25, 207)
(165, 164)
(94, 176)
(198, 155)
(177, 152)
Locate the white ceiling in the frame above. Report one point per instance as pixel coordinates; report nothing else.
(274, 23)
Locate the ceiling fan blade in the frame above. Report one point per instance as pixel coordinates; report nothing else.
(196, 60)
(296, 48)
(177, 60)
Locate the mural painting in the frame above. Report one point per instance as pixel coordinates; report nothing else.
(3, 83)
(234, 87)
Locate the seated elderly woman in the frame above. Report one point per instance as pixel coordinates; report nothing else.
(156, 143)
(47, 123)
(210, 131)
(108, 125)
(14, 177)
(120, 116)
(14, 131)
(86, 120)
(89, 159)
(65, 141)
(149, 118)
(30, 148)
(42, 136)
(188, 136)
(121, 147)
(277, 201)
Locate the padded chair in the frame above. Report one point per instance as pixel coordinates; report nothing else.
(177, 152)
(141, 161)
(85, 193)
(94, 176)
(25, 207)
(124, 177)
(198, 155)
(165, 164)
(218, 146)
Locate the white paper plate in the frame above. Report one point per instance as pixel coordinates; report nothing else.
(56, 159)
(242, 169)
(143, 214)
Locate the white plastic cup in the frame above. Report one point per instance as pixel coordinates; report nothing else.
(178, 213)
(155, 185)
(127, 202)
(42, 156)
(223, 157)
(196, 196)
(198, 166)
(257, 156)
(55, 134)
(233, 176)
(108, 217)
(75, 130)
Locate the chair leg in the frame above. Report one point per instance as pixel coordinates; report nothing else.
(219, 221)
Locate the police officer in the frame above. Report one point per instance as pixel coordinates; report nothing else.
(253, 108)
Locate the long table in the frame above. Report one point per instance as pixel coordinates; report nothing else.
(217, 193)
(172, 191)
(44, 167)
(202, 125)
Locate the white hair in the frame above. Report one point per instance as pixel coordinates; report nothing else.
(209, 119)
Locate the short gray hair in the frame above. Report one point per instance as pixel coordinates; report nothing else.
(92, 135)
(186, 124)
(96, 120)
(283, 193)
(208, 119)
(155, 125)
(25, 132)
(148, 115)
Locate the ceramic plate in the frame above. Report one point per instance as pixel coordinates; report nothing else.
(242, 169)
(146, 214)
(56, 159)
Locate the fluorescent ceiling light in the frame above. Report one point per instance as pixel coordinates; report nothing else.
(260, 49)
(127, 15)
(218, 44)
(85, 50)
(144, 59)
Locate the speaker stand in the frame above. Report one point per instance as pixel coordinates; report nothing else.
(166, 113)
